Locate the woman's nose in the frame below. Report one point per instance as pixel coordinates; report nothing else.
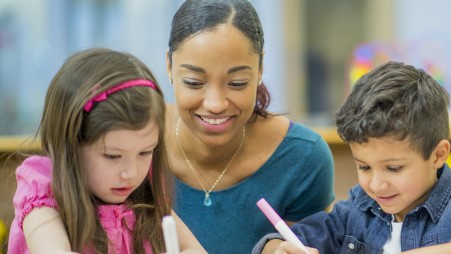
(215, 100)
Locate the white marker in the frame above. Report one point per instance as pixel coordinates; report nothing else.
(280, 225)
(170, 235)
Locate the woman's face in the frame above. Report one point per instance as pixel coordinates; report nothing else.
(215, 76)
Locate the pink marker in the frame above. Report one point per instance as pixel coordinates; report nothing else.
(280, 225)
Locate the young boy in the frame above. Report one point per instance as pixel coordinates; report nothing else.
(396, 123)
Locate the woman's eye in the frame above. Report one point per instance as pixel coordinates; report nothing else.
(238, 84)
(191, 83)
(111, 156)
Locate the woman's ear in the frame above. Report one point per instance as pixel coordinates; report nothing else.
(168, 66)
(441, 153)
(260, 71)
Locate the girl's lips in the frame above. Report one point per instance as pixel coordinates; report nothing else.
(123, 191)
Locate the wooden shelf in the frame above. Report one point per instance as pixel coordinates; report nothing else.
(330, 135)
(13, 143)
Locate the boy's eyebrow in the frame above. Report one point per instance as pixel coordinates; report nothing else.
(357, 159)
(384, 161)
(202, 70)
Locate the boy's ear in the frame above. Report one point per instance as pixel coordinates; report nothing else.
(441, 153)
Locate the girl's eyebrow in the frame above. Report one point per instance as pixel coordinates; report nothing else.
(114, 148)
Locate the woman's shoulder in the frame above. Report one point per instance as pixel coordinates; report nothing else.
(270, 125)
(299, 130)
(291, 130)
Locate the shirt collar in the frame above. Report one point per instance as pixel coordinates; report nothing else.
(440, 194)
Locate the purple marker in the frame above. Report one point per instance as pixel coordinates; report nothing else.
(280, 225)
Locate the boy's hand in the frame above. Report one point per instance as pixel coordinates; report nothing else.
(283, 247)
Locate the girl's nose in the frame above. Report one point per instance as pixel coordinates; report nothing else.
(130, 170)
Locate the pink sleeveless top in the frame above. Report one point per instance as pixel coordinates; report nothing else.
(34, 178)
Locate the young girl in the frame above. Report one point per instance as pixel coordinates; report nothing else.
(103, 170)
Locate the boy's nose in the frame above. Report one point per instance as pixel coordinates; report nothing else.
(378, 183)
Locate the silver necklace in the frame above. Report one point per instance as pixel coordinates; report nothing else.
(207, 200)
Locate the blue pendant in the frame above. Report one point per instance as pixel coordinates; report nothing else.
(207, 200)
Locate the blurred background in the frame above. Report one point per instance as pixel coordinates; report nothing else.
(314, 51)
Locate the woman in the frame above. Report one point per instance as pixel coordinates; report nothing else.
(227, 150)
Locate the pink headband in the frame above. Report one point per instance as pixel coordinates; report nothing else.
(103, 96)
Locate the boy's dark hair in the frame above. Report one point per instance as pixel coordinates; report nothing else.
(396, 100)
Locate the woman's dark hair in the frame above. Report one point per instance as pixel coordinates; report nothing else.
(196, 16)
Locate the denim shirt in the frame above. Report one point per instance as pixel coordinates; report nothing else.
(359, 225)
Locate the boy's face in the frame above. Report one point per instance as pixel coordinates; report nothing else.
(394, 174)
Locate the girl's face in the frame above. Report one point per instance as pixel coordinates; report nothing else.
(215, 76)
(118, 163)
(394, 175)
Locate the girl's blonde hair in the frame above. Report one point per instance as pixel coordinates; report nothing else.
(65, 127)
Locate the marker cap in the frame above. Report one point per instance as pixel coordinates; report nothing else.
(268, 211)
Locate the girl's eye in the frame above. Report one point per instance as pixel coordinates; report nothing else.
(192, 83)
(146, 153)
(111, 156)
(364, 168)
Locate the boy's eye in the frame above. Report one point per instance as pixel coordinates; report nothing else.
(111, 156)
(394, 169)
(364, 168)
